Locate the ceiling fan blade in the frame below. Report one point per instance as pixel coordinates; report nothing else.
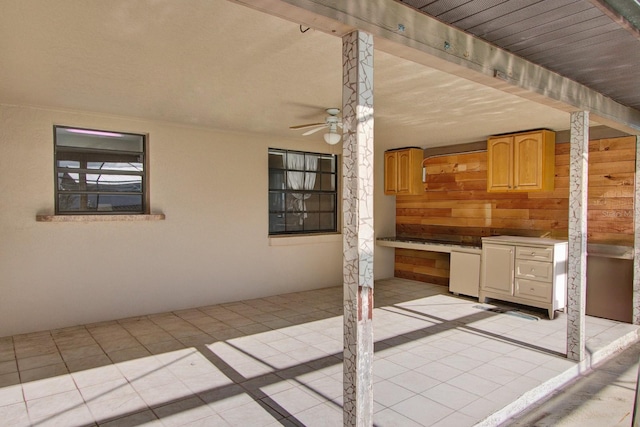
(308, 125)
(318, 129)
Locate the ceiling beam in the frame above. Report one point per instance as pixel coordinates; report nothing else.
(405, 32)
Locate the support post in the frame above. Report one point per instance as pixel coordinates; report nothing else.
(357, 172)
(636, 240)
(578, 192)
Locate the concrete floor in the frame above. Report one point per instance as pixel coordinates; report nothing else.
(440, 360)
(603, 397)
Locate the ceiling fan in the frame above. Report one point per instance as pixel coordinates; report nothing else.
(332, 122)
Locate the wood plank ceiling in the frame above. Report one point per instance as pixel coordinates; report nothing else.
(583, 40)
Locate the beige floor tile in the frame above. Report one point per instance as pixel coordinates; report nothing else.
(156, 336)
(9, 379)
(152, 379)
(205, 382)
(79, 416)
(48, 386)
(39, 361)
(390, 418)
(457, 419)
(105, 410)
(294, 400)
(107, 390)
(7, 355)
(128, 354)
(183, 411)
(86, 363)
(90, 377)
(209, 421)
(10, 395)
(75, 342)
(415, 381)
(323, 415)
(54, 404)
(388, 394)
(116, 344)
(8, 367)
(422, 410)
(225, 398)
(200, 339)
(43, 372)
(474, 384)
(139, 419)
(165, 394)
(15, 415)
(80, 352)
(164, 346)
(35, 349)
(450, 396)
(251, 413)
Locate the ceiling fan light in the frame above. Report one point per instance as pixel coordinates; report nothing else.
(331, 138)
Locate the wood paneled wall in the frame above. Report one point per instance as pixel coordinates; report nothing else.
(457, 207)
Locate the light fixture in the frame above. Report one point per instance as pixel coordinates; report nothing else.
(332, 137)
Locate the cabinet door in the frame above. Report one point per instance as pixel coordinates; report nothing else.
(528, 155)
(464, 273)
(500, 164)
(404, 172)
(497, 268)
(390, 173)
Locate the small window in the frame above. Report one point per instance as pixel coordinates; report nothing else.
(302, 192)
(99, 172)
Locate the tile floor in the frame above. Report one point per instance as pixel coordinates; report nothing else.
(440, 360)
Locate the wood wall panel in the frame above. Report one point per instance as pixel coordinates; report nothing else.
(457, 207)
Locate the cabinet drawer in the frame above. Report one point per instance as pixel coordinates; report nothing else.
(534, 270)
(537, 254)
(537, 291)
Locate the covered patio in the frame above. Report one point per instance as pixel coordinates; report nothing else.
(440, 360)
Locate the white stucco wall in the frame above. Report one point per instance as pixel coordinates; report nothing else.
(213, 246)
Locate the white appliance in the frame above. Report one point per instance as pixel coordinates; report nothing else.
(464, 273)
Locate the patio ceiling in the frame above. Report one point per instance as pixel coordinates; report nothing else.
(216, 64)
(587, 40)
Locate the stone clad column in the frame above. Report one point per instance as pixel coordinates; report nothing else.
(357, 227)
(636, 241)
(578, 192)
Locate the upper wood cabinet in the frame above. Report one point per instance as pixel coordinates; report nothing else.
(521, 162)
(403, 171)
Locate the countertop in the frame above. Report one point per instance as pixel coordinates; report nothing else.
(593, 249)
(429, 245)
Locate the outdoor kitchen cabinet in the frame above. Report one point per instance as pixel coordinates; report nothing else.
(525, 270)
(403, 171)
(521, 162)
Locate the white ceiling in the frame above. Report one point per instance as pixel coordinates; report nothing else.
(213, 63)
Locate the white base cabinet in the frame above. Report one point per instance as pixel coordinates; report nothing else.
(525, 270)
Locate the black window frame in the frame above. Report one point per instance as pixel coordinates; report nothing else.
(104, 155)
(284, 213)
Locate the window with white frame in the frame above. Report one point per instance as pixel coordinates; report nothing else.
(99, 172)
(302, 192)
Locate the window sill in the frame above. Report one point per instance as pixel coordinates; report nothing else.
(99, 218)
(304, 239)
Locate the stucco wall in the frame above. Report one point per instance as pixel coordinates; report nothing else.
(213, 246)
